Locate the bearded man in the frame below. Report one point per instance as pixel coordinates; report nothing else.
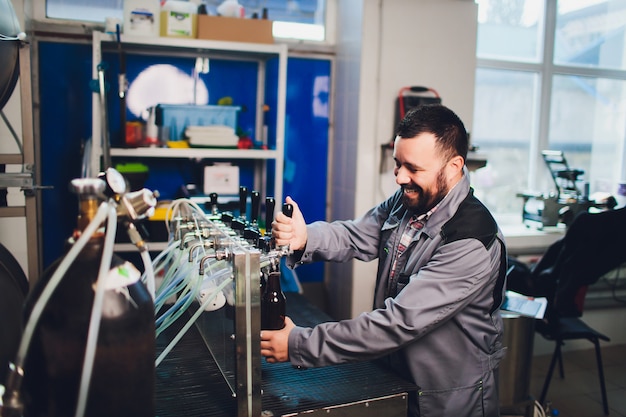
(440, 281)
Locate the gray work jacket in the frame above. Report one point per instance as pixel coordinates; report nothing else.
(440, 324)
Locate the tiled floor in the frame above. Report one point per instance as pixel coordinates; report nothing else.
(578, 394)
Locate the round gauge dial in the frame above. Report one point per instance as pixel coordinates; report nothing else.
(115, 180)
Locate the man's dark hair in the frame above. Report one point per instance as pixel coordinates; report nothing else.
(442, 122)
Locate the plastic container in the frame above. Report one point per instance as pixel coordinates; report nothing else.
(179, 19)
(178, 116)
(142, 17)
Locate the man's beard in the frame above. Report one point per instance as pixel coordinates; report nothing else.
(426, 200)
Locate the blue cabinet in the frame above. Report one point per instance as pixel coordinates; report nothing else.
(298, 140)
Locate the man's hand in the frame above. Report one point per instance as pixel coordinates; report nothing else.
(290, 230)
(275, 343)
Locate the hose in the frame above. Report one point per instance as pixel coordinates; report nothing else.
(162, 260)
(96, 312)
(158, 263)
(174, 208)
(184, 302)
(538, 410)
(193, 319)
(173, 281)
(149, 272)
(54, 281)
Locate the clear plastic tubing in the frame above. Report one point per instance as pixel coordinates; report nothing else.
(195, 316)
(96, 312)
(149, 272)
(56, 278)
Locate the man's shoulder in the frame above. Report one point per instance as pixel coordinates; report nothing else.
(472, 220)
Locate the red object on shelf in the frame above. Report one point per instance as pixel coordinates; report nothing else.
(403, 102)
(245, 143)
(409, 97)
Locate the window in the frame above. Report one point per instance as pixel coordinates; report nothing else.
(293, 19)
(501, 128)
(551, 74)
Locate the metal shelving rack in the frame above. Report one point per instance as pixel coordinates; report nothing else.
(165, 46)
(26, 179)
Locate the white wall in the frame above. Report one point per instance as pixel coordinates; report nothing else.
(343, 163)
(429, 43)
(13, 230)
(384, 46)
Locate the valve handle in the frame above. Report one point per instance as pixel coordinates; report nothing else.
(243, 195)
(213, 203)
(256, 203)
(270, 204)
(288, 209)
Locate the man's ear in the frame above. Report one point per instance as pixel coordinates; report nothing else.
(456, 163)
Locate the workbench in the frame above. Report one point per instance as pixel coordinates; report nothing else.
(189, 383)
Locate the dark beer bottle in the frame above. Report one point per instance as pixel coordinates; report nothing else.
(273, 304)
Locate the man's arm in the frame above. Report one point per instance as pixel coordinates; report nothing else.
(337, 241)
(434, 295)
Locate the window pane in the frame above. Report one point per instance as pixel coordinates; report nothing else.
(94, 11)
(297, 19)
(510, 29)
(587, 123)
(592, 35)
(504, 120)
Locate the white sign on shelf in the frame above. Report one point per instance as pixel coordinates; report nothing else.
(222, 179)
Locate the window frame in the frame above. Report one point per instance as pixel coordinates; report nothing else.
(546, 70)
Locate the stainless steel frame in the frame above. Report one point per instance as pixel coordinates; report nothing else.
(232, 332)
(247, 332)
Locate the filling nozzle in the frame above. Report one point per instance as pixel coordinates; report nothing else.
(219, 255)
(271, 260)
(181, 228)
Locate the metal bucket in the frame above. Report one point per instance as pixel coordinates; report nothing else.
(515, 367)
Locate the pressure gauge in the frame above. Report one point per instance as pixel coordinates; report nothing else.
(115, 181)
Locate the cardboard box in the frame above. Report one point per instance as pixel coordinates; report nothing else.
(233, 29)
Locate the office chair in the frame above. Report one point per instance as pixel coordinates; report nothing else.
(590, 248)
(559, 329)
